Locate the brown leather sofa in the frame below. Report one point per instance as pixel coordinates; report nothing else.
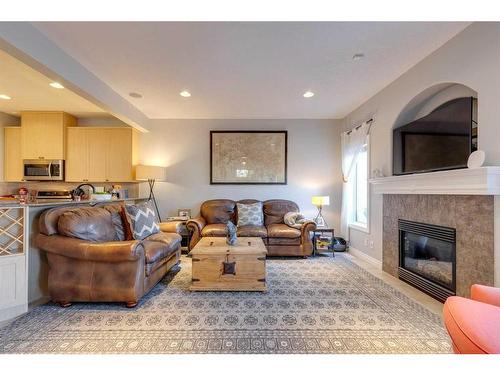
(88, 262)
(279, 238)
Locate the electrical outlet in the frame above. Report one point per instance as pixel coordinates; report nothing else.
(366, 241)
(371, 244)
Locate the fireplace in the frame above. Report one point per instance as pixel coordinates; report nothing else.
(427, 255)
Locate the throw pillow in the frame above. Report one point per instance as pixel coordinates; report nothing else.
(143, 220)
(250, 214)
(294, 219)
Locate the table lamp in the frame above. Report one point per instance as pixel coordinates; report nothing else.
(320, 201)
(151, 174)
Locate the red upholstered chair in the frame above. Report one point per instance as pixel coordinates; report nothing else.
(474, 324)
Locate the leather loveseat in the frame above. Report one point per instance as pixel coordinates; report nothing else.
(279, 238)
(88, 262)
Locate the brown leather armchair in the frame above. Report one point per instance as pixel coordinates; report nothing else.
(88, 262)
(279, 238)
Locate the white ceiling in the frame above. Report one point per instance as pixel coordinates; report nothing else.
(30, 91)
(248, 69)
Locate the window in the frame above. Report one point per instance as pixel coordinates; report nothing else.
(360, 190)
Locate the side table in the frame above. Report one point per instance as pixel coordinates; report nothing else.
(323, 240)
(182, 230)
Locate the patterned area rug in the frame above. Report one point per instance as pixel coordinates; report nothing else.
(318, 305)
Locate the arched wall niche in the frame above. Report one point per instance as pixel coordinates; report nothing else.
(423, 104)
(431, 98)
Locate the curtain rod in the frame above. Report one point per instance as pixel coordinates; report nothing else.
(357, 127)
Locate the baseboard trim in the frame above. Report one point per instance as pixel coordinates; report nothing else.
(38, 302)
(361, 255)
(7, 315)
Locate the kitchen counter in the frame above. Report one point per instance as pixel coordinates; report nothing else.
(56, 202)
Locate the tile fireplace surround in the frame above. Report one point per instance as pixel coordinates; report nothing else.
(471, 215)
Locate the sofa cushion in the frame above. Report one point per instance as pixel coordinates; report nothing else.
(117, 220)
(168, 238)
(157, 250)
(142, 219)
(87, 223)
(275, 210)
(252, 231)
(157, 253)
(214, 230)
(474, 327)
(284, 241)
(282, 230)
(250, 214)
(116, 217)
(218, 211)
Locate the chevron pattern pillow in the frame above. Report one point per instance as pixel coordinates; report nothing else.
(142, 219)
(250, 214)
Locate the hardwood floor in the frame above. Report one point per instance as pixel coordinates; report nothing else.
(413, 293)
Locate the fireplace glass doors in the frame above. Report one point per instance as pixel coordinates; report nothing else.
(427, 257)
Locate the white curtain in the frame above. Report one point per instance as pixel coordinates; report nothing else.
(352, 143)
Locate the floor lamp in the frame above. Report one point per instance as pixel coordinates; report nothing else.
(151, 174)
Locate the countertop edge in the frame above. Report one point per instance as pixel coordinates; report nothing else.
(66, 203)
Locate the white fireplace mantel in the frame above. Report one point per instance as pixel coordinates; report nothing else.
(475, 181)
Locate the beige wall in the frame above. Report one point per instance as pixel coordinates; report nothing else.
(184, 147)
(472, 58)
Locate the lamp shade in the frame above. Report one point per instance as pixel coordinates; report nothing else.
(321, 200)
(150, 172)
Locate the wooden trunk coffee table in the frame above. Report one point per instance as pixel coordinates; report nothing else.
(218, 266)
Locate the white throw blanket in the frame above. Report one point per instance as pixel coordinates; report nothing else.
(294, 219)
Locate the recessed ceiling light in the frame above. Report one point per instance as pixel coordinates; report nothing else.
(358, 56)
(185, 94)
(56, 85)
(5, 97)
(135, 95)
(308, 94)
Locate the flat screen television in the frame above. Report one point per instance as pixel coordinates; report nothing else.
(442, 140)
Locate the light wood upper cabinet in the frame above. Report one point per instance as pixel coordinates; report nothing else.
(100, 154)
(77, 155)
(119, 160)
(97, 140)
(13, 161)
(43, 134)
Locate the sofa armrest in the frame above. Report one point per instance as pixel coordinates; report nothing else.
(116, 251)
(486, 294)
(171, 226)
(196, 224)
(305, 237)
(307, 228)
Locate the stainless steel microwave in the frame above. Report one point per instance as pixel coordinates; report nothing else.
(43, 170)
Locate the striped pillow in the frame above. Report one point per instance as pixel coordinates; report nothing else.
(142, 219)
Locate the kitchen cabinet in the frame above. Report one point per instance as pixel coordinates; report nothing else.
(101, 154)
(43, 134)
(13, 160)
(120, 156)
(77, 163)
(97, 141)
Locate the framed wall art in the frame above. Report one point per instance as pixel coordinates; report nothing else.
(248, 157)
